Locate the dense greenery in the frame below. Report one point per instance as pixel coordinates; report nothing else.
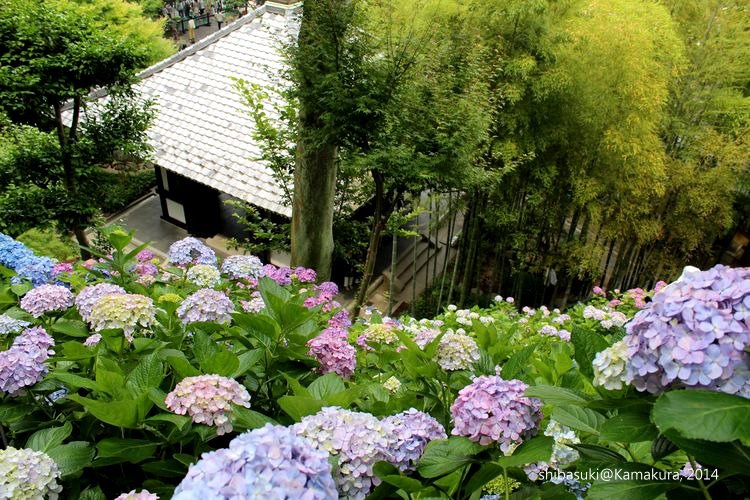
(98, 405)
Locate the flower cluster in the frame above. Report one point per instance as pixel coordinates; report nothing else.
(89, 296)
(28, 475)
(207, 399)
(272, 462)
(333, 352)
(206, 305)
(606, 317)
(190, 251)
(242, 266)
(203, 275)
(23, 365)
(126, 311)
(550, 330)
(491, 409)
(46, 298)
(694, 333)
(609, 366)
(357, 440)
(16, 256)
(142, 495)
(11, 325)
(379, 334)
(412, 430)
(284, 275)
(457, 351)
(498, 486)
(562, 454)
(326, 292)
(392, 385)
(254, 305)
(92, 340)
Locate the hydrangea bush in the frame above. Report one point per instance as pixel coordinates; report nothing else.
(131, 377)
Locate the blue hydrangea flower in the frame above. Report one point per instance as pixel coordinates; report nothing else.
(272, 463)
(412, 430)
(242, 266)
(191, 251)
(206, 305)
(11, 325)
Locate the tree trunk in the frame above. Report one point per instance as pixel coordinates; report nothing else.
(312, 206)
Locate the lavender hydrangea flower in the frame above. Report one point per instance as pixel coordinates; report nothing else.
(28, 474)
(11, 325)
(92, 340)
(23, 365)
(491, 409)
(207, 399)
(126, 311)
(272, 462)
(694, 333)
(191, 251)
(333, 352)
(457, 351)
(206, 305)
(89, 296)
(46, 298)
(254, 305)
(609, 366)
(357, 440)
(203, 275)
(142, 495)
(242, 267)
(412, 430)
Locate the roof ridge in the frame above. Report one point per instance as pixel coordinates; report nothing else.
(203, 43)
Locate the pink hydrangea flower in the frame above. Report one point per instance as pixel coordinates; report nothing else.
(208, 399)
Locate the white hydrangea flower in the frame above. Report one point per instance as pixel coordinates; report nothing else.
(609, 366)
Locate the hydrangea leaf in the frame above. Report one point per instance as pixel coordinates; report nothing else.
(443, 456)
(72, 457)
(629, 427)
(582, 419)
(707, 415)
(46, 439)
(538, 449)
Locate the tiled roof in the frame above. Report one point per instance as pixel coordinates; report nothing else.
(201, 128)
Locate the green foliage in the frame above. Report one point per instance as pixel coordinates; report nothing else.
(263, 234)
(49, 242)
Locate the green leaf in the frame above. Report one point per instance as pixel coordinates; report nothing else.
(213, 358)
(126, 450)
(407, 484)
(557, 396)
(246, 419)
(117, 413)
(92, 494)
(74, 381)
(706, 415)
(146, 374)
(733, 457)
(486, 473)
(72, 457)
(248, 360)
(630, 490)
(74, 351)
(517, 363)
(45, 439)
(158, 397)
(587, 344)
(594, 453)
(300, 406)
(538, 449)
(443, 456)
(629, 427)
(165, 468)
(182, 367)
(71, 328)
(180, 421)
(112, 383)
(582, 419)
(259, 326)
(326, 385)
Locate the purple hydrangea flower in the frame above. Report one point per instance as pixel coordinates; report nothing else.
(242, 267)
(61, 268)
(356, 440)
(208, 400)
(491, 409)
(145, 256)
(46, 298)
(89, 296)
(694, 334)
(272, 462)
(24, 364)
(333, 352)
(92, 340)
(191, 251)
(412, 430)
(206, 305)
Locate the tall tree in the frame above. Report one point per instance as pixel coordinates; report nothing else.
(51, 57)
